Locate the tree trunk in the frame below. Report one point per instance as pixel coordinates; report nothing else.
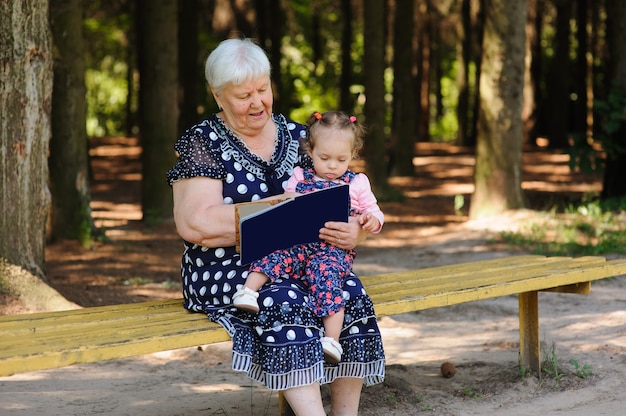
(423, 71)
(529, 111)
(70, 214)
(25, 100)
(403, 144)
(464, 56)
(615, 172)
(558, 88)
(158, 103)
(499, 146)
(374, 67)
(188, 29)
(346, 101)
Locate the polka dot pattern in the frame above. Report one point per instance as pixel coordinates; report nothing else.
(279, 346)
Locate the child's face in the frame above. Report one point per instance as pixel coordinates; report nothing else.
(332, 152)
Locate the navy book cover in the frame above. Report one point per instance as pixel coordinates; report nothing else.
(292, 221)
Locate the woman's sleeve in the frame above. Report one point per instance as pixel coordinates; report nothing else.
(196, 157)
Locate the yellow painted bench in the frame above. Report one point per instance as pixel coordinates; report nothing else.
(56, 339)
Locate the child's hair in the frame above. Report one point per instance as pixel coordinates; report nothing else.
(337, 120)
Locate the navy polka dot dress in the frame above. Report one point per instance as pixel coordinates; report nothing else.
(279, 347)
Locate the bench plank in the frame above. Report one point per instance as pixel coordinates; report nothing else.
(55, 339)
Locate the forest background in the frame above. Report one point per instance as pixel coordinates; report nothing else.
(493, 75)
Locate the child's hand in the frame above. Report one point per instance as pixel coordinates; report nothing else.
(369, 222)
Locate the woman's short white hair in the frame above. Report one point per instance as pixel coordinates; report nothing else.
(236, 61)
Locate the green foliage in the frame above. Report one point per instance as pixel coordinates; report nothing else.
(106, 98)
(610, 118)
(591, 228)
(444, 128)
(106, 75)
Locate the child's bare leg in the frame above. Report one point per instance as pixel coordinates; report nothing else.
(330, 341)
(256, 280)
(333, 324)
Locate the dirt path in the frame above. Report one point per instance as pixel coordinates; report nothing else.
(480, 338)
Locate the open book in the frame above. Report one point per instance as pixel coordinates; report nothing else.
(266, 226)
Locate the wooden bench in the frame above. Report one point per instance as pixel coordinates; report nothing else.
(56, 339)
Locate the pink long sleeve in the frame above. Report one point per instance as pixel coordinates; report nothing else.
(362, 199)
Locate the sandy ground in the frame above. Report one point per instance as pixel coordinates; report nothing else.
(480, 338)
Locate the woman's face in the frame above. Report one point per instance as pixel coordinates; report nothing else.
(247, 107)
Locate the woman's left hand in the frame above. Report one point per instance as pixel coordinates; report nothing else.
(346, 235)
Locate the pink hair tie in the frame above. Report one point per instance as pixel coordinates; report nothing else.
(352, 119)
(317, 115)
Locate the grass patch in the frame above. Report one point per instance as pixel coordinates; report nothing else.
(589, 228)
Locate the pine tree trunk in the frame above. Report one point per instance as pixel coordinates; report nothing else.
(158, 103)
(70, 215)
(25, 99)
(499, 146)
(374, 64)
(614, 185)
(404, 107)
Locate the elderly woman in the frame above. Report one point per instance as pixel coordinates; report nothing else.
(241, 154)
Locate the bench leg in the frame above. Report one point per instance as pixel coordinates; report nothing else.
(529, 342)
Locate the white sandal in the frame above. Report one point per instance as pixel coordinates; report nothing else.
(246, 299)
(332, 350)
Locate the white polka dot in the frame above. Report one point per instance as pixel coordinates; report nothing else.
(194, 277)
(268, 301)
(226, 287)
(204, 249)
(231, 274)
(270, 339)
(354, 330)
(226, 300)
(292, 294)
(212, 134)
(199, 262)
(255, 197)
(259, 330)
(227, 262)
(237, 166)
(264, 187)
(202, 290)
(206, 276)
(230, 178)
(213, 289)
(350, 282)
(308, 332)
(291, 335)
(346, 295)
(228, 200)
(219, 252)
(250, 177)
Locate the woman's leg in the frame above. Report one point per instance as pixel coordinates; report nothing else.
(306, 400)
(345, 396)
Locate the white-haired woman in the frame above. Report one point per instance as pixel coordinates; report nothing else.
(246, 153)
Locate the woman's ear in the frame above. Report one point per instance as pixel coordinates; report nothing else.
(216, 97)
